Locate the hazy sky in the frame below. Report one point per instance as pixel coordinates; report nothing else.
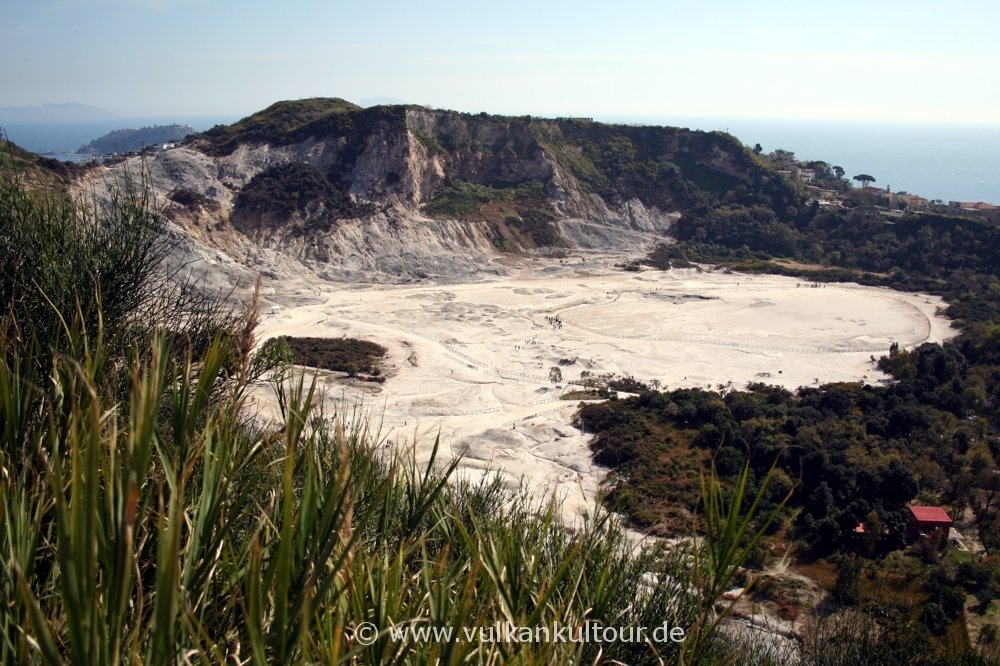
(935, 60)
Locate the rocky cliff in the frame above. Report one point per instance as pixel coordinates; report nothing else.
(408, 192)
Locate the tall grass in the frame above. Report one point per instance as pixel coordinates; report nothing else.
(167, 528)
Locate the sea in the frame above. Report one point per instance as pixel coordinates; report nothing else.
(950, 162)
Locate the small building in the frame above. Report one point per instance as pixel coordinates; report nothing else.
(923, 521)
(911, 201)
(878, 191)
(978, 207)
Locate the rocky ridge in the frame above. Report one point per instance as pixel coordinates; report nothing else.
(404, 192)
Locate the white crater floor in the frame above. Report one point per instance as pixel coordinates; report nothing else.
(471, 361)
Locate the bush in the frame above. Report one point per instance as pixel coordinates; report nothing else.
(59, 258)
(102, 262)
(935, 619)
(279, 194)
(338, 354)
(847, 588)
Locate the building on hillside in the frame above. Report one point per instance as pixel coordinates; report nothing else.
(875, 196)
(911, 201)
(982, 209)
(978, 208)
(922, 522)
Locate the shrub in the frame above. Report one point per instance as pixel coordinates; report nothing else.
(280, 193)
(338, 354)
(103, 262)
(934, 618)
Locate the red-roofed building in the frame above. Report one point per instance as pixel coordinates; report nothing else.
(978, 206)
(923, 521)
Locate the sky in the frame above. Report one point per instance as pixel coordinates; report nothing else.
(895, 60)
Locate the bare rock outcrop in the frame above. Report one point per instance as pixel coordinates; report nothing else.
(406, 192)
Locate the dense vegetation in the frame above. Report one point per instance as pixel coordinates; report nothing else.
(125, 140)
(280, 195)
(518, 214)
(848, 449)
(661, 167)
(281, 123)
(664, 168)
(938, 420)
(338, 354)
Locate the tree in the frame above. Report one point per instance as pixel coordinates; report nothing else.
(934, 618)
(864, 179)
(847, 588)
(783, 157)
(838, 171)
(873, 532)
(757, 148)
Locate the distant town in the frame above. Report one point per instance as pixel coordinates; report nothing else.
(831, 188)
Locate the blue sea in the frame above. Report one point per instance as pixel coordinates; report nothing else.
(936, 161)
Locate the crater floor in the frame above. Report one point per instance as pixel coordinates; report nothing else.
(472, 361)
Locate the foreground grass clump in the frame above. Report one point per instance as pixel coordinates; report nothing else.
(168, 525)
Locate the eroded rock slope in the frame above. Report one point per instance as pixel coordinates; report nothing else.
(398, 192)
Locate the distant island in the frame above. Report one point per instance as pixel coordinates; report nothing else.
(127, 140)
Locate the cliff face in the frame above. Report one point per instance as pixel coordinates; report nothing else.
(411, 192)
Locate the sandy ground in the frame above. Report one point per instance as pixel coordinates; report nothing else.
(471, 361)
